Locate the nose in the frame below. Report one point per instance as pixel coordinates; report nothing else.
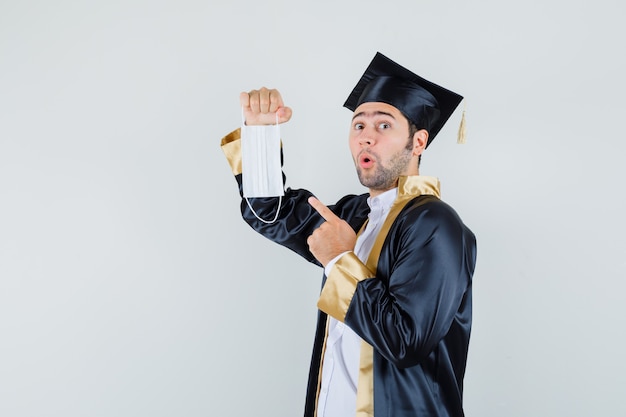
(367, 137)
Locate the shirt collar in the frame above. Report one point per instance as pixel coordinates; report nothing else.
(383, 201)
(410, 186)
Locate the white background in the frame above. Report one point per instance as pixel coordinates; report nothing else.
(129, 286)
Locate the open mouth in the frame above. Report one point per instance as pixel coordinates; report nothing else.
(366, 161)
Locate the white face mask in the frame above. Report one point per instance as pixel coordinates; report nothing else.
(260, 161)
(260, 164)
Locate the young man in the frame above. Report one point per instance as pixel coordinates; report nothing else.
(395, 306)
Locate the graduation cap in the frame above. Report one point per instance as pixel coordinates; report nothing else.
(424, 103)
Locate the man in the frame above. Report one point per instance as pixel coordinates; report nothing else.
(395, 305)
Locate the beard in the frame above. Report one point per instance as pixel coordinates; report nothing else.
(385, 177)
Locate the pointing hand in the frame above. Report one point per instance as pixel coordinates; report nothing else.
(334, 237)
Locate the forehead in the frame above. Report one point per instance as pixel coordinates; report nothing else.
(371, 109)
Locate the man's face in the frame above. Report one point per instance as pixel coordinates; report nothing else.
(380, 145)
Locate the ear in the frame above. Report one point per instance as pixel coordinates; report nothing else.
(420, 140)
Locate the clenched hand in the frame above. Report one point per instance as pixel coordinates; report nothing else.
(260, 107)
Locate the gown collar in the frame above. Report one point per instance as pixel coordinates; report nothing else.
(415, 185)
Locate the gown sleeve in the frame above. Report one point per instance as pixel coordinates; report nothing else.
(296, 219)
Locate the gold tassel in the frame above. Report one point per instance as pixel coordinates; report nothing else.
(461, 136)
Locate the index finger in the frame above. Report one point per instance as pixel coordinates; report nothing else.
(324, 211)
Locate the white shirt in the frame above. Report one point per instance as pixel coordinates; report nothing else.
(340, 365)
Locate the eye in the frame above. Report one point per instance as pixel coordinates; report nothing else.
(358, 126)
(384, 125)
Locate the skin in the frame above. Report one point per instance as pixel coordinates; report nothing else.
(380, 147)
(378, 143)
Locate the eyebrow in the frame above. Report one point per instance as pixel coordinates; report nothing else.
(372, 113)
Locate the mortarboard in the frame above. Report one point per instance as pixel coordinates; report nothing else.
(424, 103)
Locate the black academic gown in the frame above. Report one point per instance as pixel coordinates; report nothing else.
(411, 302)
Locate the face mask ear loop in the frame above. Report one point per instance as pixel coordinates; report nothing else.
(280, 198)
